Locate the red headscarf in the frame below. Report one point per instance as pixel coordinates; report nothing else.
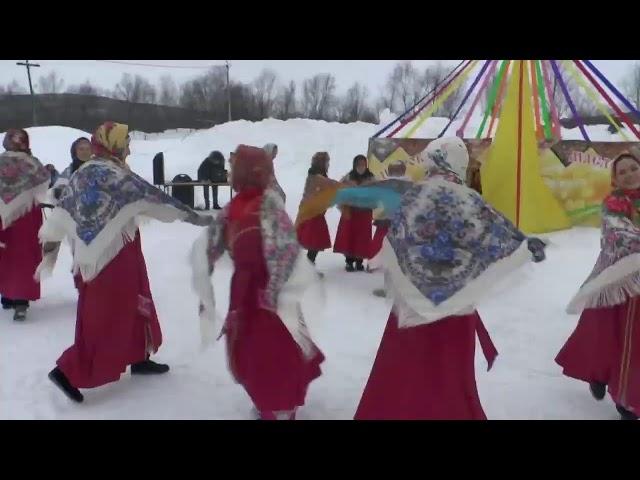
(251, 173)
(251, 168)
(16, 140)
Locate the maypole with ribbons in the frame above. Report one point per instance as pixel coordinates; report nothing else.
(518, 125)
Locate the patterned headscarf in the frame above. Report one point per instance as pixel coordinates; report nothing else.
(448, 156)
(251, 168)
(16, 140)
(446, 249)
(110, 141)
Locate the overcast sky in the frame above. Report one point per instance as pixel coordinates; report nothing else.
(372, 73)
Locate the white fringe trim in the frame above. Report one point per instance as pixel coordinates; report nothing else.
(48, 263)
(22, 204)
(613, 286)
(304, 280)
(210, 324)
(414, 309)
(90, 259)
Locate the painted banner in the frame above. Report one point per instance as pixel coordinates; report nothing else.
(577, 172)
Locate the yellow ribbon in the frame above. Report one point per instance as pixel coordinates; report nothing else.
(441, 99)
(590, 91)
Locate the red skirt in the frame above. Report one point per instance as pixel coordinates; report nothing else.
(353, 238)
(605, 348)
(314, 234)
(116, 323)
(267, 362)
(263, 356)
(376, 243)
(427, 372)
(20, 257)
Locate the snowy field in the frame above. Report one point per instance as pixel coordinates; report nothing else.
(527, 321)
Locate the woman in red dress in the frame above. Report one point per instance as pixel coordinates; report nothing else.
(313, 234)
(353, 238)
(444, 250)
(604, 349)
(23, 186)
(269, 349)
(117, 324)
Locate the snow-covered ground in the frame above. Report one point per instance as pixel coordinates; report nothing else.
(527, 321)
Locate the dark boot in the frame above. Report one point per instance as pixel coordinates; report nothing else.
(626, 414)
(20, 313)
(62, 382)
(312, 255)
(349, 262)
(598, 390)
(148, 367)
(7, 304)
(359, 265)
(217, 207)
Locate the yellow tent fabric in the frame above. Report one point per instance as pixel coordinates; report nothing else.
(510, 174)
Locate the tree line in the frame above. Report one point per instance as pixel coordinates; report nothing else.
(315, 97)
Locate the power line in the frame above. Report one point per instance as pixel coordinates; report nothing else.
(198, 67)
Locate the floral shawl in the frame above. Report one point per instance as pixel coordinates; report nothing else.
(616, 274)
(23, 183)
(444, 250)
(98, 212)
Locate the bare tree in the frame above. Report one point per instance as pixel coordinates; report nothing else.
(433, 81)
(389, 97)
(319, 98)
(264, 93)
(14, 88)
(51, 83)
(353, 106)
(206, 92)
(242, 102)
(287, 101)
(583, 105)
(631, 83)
(168, 91)
(410, 85)
(135, 89)
(86, 88)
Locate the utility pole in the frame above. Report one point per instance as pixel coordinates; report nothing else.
(33, 97)
(228, 65)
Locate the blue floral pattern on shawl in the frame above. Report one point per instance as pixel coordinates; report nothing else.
(99, 190)
(445, 235)
(20, 172)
